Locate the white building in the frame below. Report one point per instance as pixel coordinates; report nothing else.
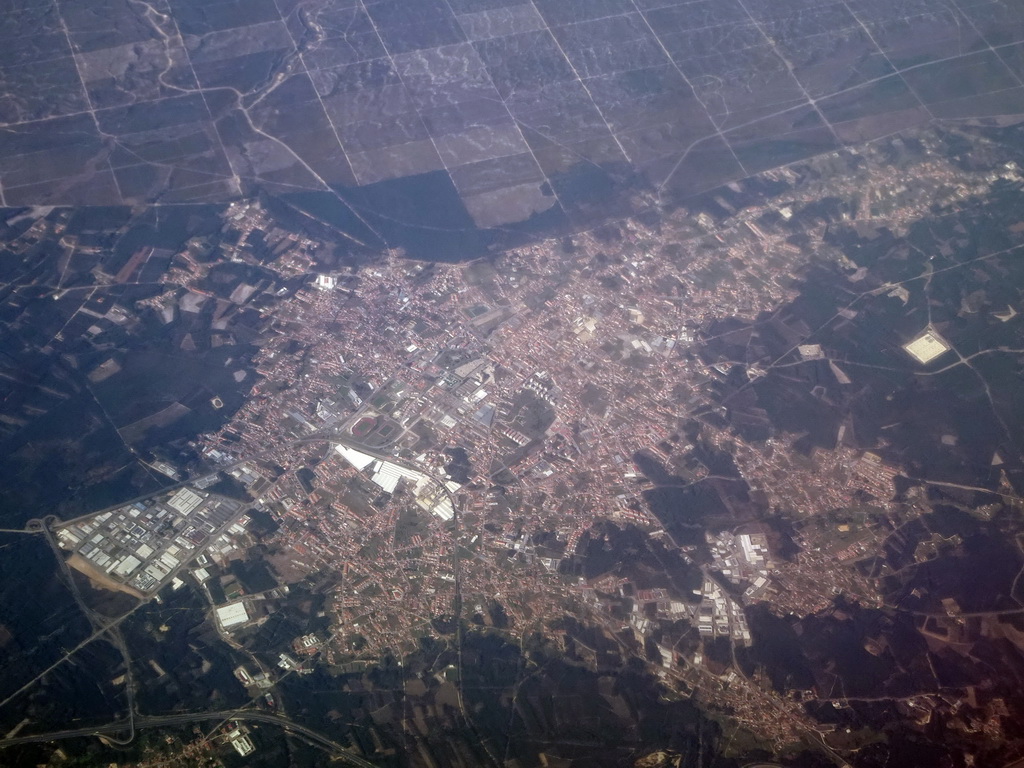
(232, 614)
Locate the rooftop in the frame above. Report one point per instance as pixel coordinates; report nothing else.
(232, 615)
(926, 347)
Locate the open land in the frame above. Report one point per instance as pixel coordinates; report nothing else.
(700, 443)
(479, 382)
(502, 111)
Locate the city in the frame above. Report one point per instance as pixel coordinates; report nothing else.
(567, 432)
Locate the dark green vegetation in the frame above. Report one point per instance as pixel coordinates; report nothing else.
(95, 378)
(39, 623)
(107, 361)
(961, 271)
(450, 129)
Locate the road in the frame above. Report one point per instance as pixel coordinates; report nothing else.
(109, 628)
(324, 437)
(97, 621)
(457, 606)
(35, 526)
(103, 626)
(162, 721)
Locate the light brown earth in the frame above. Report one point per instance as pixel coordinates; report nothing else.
(99, 579)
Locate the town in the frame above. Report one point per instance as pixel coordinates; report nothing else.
(452, 440)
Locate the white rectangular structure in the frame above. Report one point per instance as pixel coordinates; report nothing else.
(232, 615)
(444, 510)
(357, 459)
(127, 565)
(926, 347)
(386, 475)
(184, 500)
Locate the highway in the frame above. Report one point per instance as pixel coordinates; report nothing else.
(123, 731)
(162, 721)
(96, 621)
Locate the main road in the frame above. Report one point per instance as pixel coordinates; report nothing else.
(103, 626)
(340, 753)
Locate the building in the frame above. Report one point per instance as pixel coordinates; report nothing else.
(232, 615)
(926, 347)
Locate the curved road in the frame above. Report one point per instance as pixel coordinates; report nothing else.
(315, 737)
(103, 626)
